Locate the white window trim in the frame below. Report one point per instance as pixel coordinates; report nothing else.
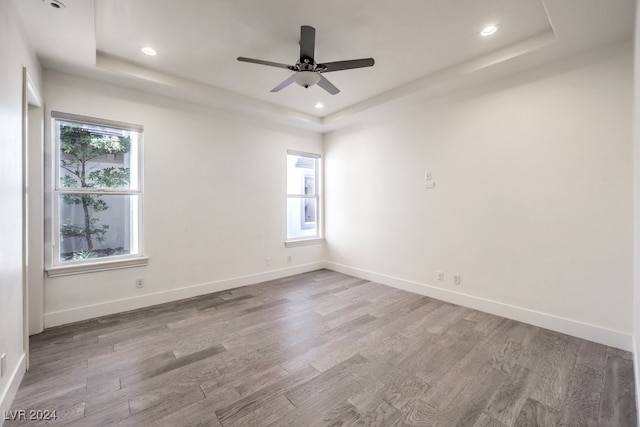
(91, 267)
(55, 267)
(319, 237)
(304, 242)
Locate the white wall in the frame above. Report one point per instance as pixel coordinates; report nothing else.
(214, 201)
(15, 53)
(636, 212)
(532, 204)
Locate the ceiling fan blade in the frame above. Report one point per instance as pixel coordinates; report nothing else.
(283, 84)
(261, 62)
(328, 86)
(307, 41)
(346, 65)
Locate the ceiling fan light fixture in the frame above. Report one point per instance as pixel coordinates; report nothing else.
(306, 78)
(489, 30)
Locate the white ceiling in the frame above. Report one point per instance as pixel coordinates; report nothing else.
(415, 43)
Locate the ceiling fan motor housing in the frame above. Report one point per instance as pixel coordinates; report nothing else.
(306, 63)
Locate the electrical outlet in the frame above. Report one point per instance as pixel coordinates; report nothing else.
(139, 283)
(3, 364)
(267, 261)
(440, 275)
(456, 279)
(288, 258)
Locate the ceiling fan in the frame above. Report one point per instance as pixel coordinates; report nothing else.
(307, 71)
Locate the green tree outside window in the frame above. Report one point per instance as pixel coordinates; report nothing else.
(81, 148)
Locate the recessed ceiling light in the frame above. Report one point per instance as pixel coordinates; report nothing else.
(319, 105)
(488, 30)
(148, 50)
(56, 4)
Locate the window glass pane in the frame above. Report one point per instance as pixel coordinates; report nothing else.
(93, 156)
(97, 226)
(301, 175)
(302, 214)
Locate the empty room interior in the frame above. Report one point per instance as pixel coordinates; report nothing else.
(306, 213)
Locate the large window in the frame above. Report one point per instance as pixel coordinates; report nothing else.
(97, 190)
(303, 196)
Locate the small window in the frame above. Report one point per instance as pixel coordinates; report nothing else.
(97, 201)
(303, 196)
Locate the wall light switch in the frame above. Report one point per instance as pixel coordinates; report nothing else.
(427, 176)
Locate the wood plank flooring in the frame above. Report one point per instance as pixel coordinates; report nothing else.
(321, 348)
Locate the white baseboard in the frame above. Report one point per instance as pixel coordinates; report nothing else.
(7, 396)
(111, 307)
(574, 328)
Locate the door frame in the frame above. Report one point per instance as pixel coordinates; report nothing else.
(32, 212)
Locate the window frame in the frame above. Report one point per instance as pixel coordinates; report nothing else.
(57, 267)
(317, 196)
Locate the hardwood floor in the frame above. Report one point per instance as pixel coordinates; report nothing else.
(321, 348)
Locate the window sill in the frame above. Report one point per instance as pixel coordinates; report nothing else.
(303, 242)
(68, 270)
